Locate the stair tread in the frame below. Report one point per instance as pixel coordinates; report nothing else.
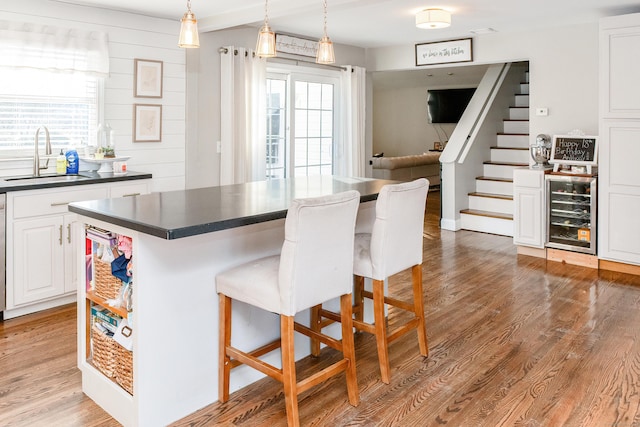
(491, 195)
(487, 214)
(493, 178)
(505, 163)
(496, 147)
(517, 106)
(515, 120)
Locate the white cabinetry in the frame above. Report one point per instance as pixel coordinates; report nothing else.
(41, 248)
(528, 198)
(39, 259)
(619, 180)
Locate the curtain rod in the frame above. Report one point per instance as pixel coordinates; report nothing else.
(296, 61)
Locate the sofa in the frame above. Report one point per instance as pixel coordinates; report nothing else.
(408, 168)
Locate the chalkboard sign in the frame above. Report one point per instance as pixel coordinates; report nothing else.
(574, 150)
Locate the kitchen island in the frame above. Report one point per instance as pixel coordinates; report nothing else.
(181, 240)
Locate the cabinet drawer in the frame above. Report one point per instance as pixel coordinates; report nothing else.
(53, 202)
(128, 189)
(528, 178)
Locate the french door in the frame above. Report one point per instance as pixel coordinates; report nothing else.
(301, 124)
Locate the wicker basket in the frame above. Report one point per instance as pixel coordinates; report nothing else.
(124, 369)
(105, 284)
(105, 352)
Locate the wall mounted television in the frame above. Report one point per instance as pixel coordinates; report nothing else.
(447, 105)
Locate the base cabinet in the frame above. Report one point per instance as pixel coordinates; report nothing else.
(40, 249)
(528, 197)
(41, 245)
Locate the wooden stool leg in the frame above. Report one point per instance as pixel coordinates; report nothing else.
(348, 348)
(416, 273)
(289, 370)
(358, 299)
(381, 330)
(315, 326)
(224, 361)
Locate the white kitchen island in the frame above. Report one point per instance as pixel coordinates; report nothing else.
(181, 240)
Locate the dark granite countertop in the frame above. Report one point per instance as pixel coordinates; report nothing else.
(177, 214)
(19, 183)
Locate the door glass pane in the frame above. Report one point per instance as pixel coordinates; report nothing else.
(276, 128)
(315, 96)
(327, 97)
(317, 126)
(301, 94)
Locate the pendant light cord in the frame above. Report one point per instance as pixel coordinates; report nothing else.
(266, 12)
(324, 2)
(189, 6)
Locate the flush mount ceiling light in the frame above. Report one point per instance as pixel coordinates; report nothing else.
(325, 53)
(189, 29)
(266, 45)
(433, 18)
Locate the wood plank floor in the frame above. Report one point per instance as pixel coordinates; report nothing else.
(514, 341)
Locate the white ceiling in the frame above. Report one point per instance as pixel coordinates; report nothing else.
(376, 23)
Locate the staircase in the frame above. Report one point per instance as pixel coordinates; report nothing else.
(491, 205)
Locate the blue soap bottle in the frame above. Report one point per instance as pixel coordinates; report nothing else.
(73, 162)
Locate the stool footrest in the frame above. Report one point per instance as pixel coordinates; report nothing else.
(391, 301)
(401, 330)
(324, 339)
(255, 363)
(321, 376)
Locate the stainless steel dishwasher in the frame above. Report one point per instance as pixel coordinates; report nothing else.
(3, 267)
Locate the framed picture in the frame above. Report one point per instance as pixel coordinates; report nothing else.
(444, 52)
(147, 78)
(296, 45)
(147, 123)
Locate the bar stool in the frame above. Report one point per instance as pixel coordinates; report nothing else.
(315, 265)
(394, 245)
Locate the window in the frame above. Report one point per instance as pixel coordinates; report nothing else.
(66, 103)
(301, 123)
(49, 76)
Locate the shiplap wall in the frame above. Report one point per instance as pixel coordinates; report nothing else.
(130, 36)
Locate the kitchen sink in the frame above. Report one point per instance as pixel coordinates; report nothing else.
(48, 178)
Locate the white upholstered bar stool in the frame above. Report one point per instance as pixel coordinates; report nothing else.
(394, 245)
(315, 265)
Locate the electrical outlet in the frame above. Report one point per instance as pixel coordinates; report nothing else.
(542, 111)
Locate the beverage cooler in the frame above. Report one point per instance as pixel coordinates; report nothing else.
(571, 213)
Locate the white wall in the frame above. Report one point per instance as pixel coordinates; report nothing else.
(203, 88)
(563, 71)
(130, 36)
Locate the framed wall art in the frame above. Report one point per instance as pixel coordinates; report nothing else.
(444, 52)
(147, 78)
(296, 45)
(147, 123)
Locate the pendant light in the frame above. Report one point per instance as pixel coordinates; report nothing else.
(325, 46)
(266, 45)
(189, 29)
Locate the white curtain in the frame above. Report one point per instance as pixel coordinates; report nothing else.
(46, 47)
(353, 126)
(243, 116)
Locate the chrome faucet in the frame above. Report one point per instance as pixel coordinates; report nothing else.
(47, 151)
